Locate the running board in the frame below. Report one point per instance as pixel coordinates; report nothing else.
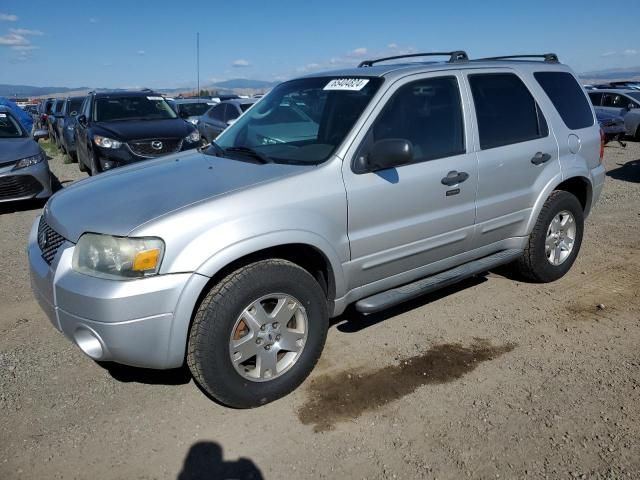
(397, 295)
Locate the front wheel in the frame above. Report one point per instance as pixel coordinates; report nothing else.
(555, 240)
(258, 333)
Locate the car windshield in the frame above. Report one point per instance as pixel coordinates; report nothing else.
(73, 106)
(9, 127)
(302, 121)
(194, 109)
(111, 109)
(58, 106)
(634, 95)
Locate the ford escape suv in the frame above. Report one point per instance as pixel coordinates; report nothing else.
(118, 128)
(367, 186)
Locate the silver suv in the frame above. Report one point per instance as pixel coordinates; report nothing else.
(368, 186)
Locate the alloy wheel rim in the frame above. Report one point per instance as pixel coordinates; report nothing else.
(268, 337)
(561, 237)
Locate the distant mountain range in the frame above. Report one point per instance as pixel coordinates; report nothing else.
(31, 91)
(243, 84)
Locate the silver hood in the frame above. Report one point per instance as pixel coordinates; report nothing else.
(117, 202)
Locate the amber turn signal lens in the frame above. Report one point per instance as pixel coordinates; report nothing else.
(146, 260)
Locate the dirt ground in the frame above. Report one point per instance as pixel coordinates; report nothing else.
(493, 378)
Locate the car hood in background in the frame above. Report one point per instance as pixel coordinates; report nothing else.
(141, 129)
(117, 202)
(13, 149)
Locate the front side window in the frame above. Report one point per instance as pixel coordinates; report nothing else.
(302, 121)
(616, 100)
(596, 98)
(58, 106)
(567, 96)
(506, 111)
(428, 114)
(112, 109)
(74, 106)
(9, 126)
(231, 113)
(217, 112)
(193, 109)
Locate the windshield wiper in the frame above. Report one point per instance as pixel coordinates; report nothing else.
(218, 149)
(251, 152)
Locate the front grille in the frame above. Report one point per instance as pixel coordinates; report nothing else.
(163, 146)
(48, 240)
(19, 186)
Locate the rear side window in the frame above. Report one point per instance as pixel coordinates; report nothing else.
(507, 112)
(568, 98)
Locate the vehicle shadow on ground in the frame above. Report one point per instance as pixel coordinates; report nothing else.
(147, 376)
(627, 172)
(204, 461)
(352, 321)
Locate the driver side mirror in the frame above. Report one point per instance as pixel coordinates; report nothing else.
(387, 153)
(630, 106)
(231, 122)
(82, 120)
(183, 114)
(40, 134)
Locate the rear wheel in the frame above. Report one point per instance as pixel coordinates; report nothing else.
(556, 239)
(258, 333)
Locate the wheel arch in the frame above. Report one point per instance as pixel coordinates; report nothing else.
(578, 185)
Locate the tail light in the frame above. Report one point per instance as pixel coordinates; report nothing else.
(601, 145)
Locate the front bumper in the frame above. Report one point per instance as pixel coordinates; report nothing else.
(25, 183)
(143, 322)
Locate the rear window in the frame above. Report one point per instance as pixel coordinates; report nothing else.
(507, 112)
(568, 98)
(194, 109)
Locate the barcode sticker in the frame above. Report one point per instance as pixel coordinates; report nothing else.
(349, 84)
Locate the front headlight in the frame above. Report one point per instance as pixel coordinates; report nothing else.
(193, 137)
(105, 256)
(27, 162)
(106, 142)
(70, 127)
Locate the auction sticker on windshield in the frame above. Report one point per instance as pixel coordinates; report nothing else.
(154, 98)
(350, 84)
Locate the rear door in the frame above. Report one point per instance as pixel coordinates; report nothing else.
(517, 155)
(405, 218)
(214, 121)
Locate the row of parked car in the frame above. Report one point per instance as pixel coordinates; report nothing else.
(105, 130)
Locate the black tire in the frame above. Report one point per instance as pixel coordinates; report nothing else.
(81, 166)
(208, 348)
(94, 164)
(534, 265)
(636, 137)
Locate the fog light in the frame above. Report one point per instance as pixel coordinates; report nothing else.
(107, 165)
(88, 343)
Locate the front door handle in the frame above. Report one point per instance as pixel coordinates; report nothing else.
(453, 178)
(540, 158)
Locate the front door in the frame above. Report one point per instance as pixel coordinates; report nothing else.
(404, 218)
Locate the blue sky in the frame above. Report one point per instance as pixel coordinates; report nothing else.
(138, 43)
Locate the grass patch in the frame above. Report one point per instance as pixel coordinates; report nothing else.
(49, 147)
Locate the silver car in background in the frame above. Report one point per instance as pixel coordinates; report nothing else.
(24, 170)
(220, 116)
(368, 186)
(621, 102)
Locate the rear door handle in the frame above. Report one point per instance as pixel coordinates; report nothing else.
(540, 158)
(454, 177)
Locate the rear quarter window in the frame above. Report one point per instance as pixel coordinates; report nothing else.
(568, 97)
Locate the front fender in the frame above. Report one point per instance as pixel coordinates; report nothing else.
(241, 249)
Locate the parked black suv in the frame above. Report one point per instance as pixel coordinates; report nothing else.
(120, 128)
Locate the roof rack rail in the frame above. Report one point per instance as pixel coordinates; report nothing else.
(548, 57)
(454, 57)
